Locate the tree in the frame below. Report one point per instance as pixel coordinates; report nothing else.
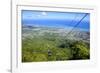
(80, 50)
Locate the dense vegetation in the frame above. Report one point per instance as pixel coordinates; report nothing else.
(52, 48)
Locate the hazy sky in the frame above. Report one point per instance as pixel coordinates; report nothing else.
(55, 19)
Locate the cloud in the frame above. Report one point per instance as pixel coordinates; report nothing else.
(39, 15)
(44, 13)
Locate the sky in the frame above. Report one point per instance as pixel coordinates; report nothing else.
(56, 19)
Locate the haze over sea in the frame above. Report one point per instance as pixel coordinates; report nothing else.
(56, 19)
